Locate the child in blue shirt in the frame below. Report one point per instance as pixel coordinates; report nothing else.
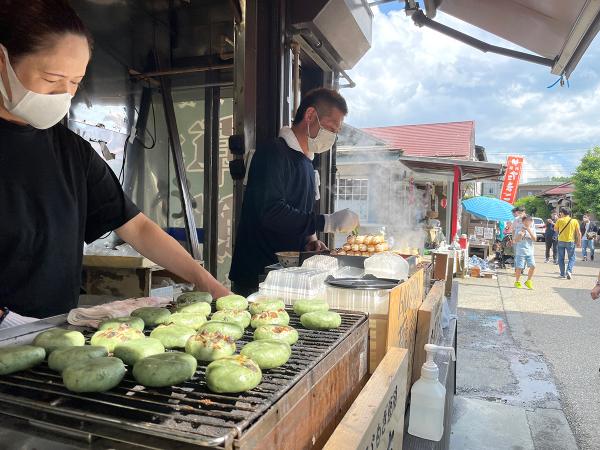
(524, 252)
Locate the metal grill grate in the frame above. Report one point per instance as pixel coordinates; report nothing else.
(188, 412)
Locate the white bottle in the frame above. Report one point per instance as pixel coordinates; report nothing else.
(428, 398)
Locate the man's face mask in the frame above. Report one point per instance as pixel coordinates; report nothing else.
(39, 110)
(323, 141)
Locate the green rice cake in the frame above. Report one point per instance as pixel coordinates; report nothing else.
(152, 315)
(172, 336)
(282, 333)
(95, 375)
(198, 308)
(240, 317)
(306, 306)
(190, 320)
(266, 304)
(321, 320)
(278, 317)
(232, 302)
(20, 357)
(208, 346)
(58, 338)
(113, 336)
(165, 369)
(226, 328)
(132, 351)
(133, 322)
(187, 298)
(233, 374)
(268, 354)
(60, 359)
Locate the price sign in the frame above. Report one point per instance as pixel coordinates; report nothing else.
(514, 167)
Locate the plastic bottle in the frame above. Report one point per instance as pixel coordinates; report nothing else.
(428, 399)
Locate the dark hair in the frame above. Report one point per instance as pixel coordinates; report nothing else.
(28, 26)
(527, 217)
(518, 209)
(565, 211)
(323, 100)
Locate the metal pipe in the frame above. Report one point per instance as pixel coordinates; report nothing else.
(423, 21)
(296, 76)
(166, 73)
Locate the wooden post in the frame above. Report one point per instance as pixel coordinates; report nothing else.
(429, 327)
(376, 418)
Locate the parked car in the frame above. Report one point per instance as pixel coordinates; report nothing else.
(540, 228)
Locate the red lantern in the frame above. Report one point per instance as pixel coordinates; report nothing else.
(444, 202)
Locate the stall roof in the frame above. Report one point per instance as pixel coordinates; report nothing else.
(451, 139)
(563, 189)
(471, 170)
(558, 31)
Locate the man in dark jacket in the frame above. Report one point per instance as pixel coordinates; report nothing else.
(550, 238)
(278, 210)
(589, 231)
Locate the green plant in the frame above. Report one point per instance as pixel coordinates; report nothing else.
(534, 206)
(587, 182)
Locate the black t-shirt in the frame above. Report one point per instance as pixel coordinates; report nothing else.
(277, 213)
(55, 192)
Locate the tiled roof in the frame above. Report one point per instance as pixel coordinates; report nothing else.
(541, 183)
(565, 188)
(450, 140)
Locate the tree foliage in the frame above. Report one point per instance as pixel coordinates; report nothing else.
(534, 206)
(587, 182)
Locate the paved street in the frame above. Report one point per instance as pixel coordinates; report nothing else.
(528, 360)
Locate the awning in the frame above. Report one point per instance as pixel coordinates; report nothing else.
(558, 32)
(470, 170)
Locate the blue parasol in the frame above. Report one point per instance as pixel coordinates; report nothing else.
(489, 208)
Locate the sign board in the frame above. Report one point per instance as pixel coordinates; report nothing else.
(514, 167)
(488, 233)
(479, 231)
(375, 421)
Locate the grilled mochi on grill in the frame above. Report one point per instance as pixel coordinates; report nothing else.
(58, 338)
(226, 328)
(233, 374)
(95, 375)
(268, 354)
(187, 298)
(20, 357)
(238, 316)
(133, 322)
(232, 302)
(164, 369)
(278, 317)
(113, 336)
(152, 315)
(190, 320)
(266, 304)
(306, 306)
(321, 320)
(209, 346)
(277, 332)
(60, 359)
(172, 336)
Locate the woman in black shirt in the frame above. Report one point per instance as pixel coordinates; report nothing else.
(55, 191)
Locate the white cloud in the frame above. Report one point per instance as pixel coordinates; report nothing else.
(416, 75)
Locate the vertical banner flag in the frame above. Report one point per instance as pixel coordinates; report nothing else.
(514, 166)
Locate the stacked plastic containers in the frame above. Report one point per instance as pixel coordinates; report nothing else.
(294, 283)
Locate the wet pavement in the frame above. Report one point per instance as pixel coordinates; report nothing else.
(527, 368)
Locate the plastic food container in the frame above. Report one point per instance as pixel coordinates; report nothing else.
(387, 265)
(294, 283)
(322, 262)
(367, 294)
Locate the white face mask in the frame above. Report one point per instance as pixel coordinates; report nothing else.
(39, 110)
(323, 141)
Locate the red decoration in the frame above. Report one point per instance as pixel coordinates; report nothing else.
(444, 202)
(514, 167)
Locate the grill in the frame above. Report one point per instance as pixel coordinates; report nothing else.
(186, 414)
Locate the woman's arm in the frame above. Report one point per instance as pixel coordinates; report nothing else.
(152, 242)
(532, 234)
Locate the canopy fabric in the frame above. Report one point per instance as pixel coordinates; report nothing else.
(489, 208)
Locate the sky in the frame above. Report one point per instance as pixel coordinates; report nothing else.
(415, 75)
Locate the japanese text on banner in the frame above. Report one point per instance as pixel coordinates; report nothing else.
(514, 167)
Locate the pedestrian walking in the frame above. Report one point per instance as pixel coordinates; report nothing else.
(550, 236)
(569, 236)
(589, 232)
(518, 213)
(524, 252)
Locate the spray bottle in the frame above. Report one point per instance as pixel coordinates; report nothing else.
(428, 398)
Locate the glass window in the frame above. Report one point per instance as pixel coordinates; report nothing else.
(353, 193)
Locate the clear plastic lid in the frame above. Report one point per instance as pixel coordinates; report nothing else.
(294, 283)
(387, 265)
(322, 262)
(349, 272)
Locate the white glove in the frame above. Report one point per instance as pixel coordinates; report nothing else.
(342, 221)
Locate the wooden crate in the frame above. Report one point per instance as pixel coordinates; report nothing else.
(405, 301)
(376, 418)
(429, 326)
